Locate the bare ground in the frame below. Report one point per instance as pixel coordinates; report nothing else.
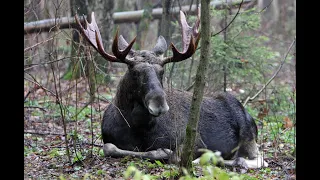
(45, 146)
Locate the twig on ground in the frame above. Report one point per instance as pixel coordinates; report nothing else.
(42, 133)
(27, 96)
(37, 107)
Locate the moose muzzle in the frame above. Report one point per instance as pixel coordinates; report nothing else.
(156, 103)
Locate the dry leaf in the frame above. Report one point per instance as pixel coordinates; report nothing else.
(263, 113)
(287, 123)
(244, 61)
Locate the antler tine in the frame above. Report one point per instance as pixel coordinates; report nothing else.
(93, 36)
(190, 40)
(121, 54)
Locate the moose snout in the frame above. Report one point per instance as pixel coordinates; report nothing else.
(156, 103)
(157, 109)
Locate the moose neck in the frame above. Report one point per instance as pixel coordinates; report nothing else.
(125, 92)
(129, 100)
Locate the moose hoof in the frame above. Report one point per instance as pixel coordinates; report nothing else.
(257, 162)
(159, 154)
(109, 149)
(241, 162)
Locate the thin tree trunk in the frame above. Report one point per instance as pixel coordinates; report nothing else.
(227, 12)
(166, 20)
(190, 71)
(192, 58)
(192, 126)
(165, 28)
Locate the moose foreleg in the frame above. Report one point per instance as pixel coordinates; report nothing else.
(257, 162)
(110, 149)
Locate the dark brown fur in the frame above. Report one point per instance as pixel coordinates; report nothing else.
(224, 124)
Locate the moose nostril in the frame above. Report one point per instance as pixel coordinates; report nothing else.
(157, 110)
(153, 109)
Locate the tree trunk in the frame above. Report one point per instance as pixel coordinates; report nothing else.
(103, 15)
(143, 24)
(103, 11)
(74, 69)
(192, 126)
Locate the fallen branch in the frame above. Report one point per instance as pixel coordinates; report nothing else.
(274, 75)
(42, 133)
(47, 25)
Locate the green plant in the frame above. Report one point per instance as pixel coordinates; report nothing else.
(78, 157)
(56, 152)
(133, 172)
(208, 161)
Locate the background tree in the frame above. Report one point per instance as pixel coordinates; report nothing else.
(192, 126)
(74, 70)
(103, 13)
(143, 24)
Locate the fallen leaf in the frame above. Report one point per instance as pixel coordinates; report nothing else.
(287, 123)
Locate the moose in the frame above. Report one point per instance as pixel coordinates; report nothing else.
(149, 120)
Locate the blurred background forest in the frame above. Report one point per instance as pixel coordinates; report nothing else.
(67, 85)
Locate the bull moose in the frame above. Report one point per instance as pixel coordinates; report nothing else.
(148, 120)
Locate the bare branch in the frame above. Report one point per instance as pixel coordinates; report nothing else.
(274, 75)
(29, 48)
(48, 62)
(35, 82)
(118, 110)
(230, 21)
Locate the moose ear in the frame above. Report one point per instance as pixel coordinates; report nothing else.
(160, 47)
(122, 44)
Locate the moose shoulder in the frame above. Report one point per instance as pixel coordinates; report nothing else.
(149, 121)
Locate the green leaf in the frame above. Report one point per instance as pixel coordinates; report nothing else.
(223, 176)
(205, 158)
(130, 170)
(159, 163)
(61, 177)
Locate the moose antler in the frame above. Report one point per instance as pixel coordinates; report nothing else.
(190, 40)
(93, 36)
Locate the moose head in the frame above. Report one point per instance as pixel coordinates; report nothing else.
(145, 67)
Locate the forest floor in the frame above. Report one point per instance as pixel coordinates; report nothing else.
(45, 155)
